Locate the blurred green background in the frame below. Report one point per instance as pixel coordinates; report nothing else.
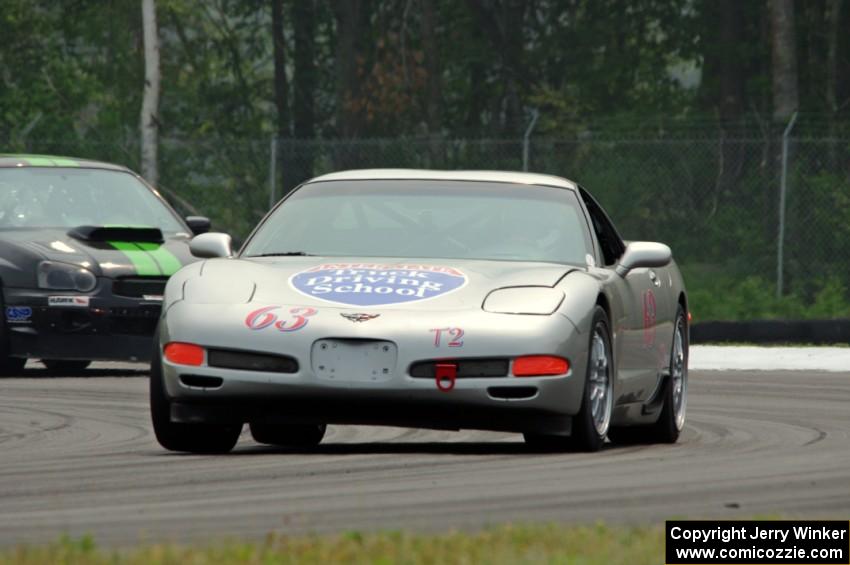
(670, 111)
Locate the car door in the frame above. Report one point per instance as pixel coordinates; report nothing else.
(636, 323)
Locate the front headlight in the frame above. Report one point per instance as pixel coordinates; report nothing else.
(538, 300)
(63, 276)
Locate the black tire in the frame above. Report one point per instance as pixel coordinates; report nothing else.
(9, 366)
(664, 430)
(291, 435)
(193, 438)
(584, 436)
(66, 366)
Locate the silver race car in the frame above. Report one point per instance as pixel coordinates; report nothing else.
(433, 299)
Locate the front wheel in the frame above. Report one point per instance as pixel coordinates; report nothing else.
(591, 424)
(193, 438)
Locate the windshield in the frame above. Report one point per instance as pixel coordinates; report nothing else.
(35, 197)
(440, 219)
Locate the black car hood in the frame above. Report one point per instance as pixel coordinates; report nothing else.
(104, 258)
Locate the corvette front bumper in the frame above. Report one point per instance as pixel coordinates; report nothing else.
(393, 397)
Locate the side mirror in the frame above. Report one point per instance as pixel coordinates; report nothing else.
(211, 245)
(643, 254)
(198, 224)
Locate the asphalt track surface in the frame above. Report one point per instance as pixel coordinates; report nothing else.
(77, 455)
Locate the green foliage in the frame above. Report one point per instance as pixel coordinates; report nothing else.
(503, 545)
(714, 295)
(629, 94)
(830, 301)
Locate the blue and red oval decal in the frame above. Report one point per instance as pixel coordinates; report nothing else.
(368, 284)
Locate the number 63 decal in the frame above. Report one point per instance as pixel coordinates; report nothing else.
(264, 317)
(454, 336)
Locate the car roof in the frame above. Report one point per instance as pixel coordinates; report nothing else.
(27, 160)
(422, 174)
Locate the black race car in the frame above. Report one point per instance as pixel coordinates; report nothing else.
(85, 251)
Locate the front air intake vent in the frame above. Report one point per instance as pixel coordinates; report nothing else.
(201, 381)
(466, 368)
(139, 287)
(512, 392)
(251, 361)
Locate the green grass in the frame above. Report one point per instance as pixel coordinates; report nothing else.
(585, 545)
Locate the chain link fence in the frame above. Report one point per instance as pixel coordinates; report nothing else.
(714, 199)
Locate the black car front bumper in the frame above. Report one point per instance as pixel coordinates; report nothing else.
(103, 325)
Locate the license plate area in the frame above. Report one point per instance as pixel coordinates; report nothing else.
(354, 360)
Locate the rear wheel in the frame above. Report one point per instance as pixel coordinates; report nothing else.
(194, 438)
(672, 418)
(292, 435)
(66, 366)
(590, 425)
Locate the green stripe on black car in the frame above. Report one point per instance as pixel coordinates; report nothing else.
(45, 161)
(167, 261)
(141, 260)
(149, 259)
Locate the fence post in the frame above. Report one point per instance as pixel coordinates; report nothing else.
(783, 188)
(272, 170)
(525, 138)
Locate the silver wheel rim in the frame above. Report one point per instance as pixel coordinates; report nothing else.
(679, 374)
(600, 384)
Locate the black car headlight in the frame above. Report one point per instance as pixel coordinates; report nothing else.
(63, 276)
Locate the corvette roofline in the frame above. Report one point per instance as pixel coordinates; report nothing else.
(488, 181)
(510, 177)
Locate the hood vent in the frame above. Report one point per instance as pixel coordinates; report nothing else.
(117, 233)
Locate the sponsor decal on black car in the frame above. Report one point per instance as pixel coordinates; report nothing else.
(18, 314)
(68, 301)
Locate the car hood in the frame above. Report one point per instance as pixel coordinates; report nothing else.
(365, 283)
(104, 258)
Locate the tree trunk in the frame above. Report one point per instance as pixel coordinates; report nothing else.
(281, 97)
(150, 99)
(785, 93)
(833, 19)
(433, 86)
(281, 85)
(304, 86)
(784, 59)
(348, 28)
(731, 77)
(351, 19)
(731, 90)
(478, 88)
(502, 24)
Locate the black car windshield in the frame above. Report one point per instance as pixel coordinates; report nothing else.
(59, 197)
(427, 218)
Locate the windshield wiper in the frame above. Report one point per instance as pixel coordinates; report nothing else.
(284, 254)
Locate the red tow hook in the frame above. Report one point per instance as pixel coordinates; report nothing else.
(445, 375)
